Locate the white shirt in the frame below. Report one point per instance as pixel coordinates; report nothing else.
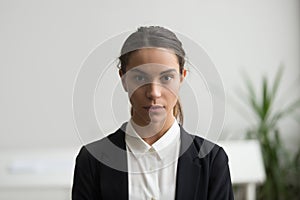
(152, 169)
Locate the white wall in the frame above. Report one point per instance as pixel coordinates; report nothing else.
(43, 43)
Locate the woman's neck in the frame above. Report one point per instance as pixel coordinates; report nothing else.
(153, 131)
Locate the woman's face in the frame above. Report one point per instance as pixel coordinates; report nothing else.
(152, 80)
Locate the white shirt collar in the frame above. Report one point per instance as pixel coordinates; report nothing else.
(163, 146)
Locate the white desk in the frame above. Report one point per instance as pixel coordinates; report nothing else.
(246, 164)
(36, 174)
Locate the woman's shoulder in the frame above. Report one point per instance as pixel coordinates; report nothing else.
(105, 149)
(116, 138)
(204, 147)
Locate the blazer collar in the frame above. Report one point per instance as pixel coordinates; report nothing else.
(188, 168)
(114, 176)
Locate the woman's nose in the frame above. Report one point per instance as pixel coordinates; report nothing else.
(153, 90)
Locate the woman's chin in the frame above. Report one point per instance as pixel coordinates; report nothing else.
(151, 121)
(155, 118)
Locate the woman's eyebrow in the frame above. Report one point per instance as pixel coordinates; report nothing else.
(164, 72)
(139, 71)
(168, 71)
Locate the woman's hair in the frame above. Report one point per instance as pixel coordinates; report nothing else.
(157, 37)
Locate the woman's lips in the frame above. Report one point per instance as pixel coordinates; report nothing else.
(154, 108)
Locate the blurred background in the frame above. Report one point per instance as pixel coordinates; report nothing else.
(43, 43)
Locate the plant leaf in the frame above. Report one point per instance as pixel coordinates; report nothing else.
(277, 80)
(266, 100)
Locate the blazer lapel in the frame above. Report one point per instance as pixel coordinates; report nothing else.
(188, 169)
(114, 182)
(114, 177)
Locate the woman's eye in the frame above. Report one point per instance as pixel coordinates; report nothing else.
(167, 78)
(139, 78)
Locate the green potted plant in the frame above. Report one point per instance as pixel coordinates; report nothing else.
(282, 170)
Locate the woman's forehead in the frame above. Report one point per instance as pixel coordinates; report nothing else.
(153, 69)
(157, 57)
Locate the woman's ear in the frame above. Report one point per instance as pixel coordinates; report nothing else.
(183, 75)
(122, 76)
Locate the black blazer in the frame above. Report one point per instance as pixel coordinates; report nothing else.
(202, 170)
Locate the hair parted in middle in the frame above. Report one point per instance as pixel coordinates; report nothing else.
(155, 37)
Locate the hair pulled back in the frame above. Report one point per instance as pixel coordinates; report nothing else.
(154, 37)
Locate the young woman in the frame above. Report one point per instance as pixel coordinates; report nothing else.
(152, 156)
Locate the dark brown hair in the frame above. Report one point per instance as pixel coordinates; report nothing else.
(159, 37)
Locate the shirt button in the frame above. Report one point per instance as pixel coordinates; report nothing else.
(153, 198)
